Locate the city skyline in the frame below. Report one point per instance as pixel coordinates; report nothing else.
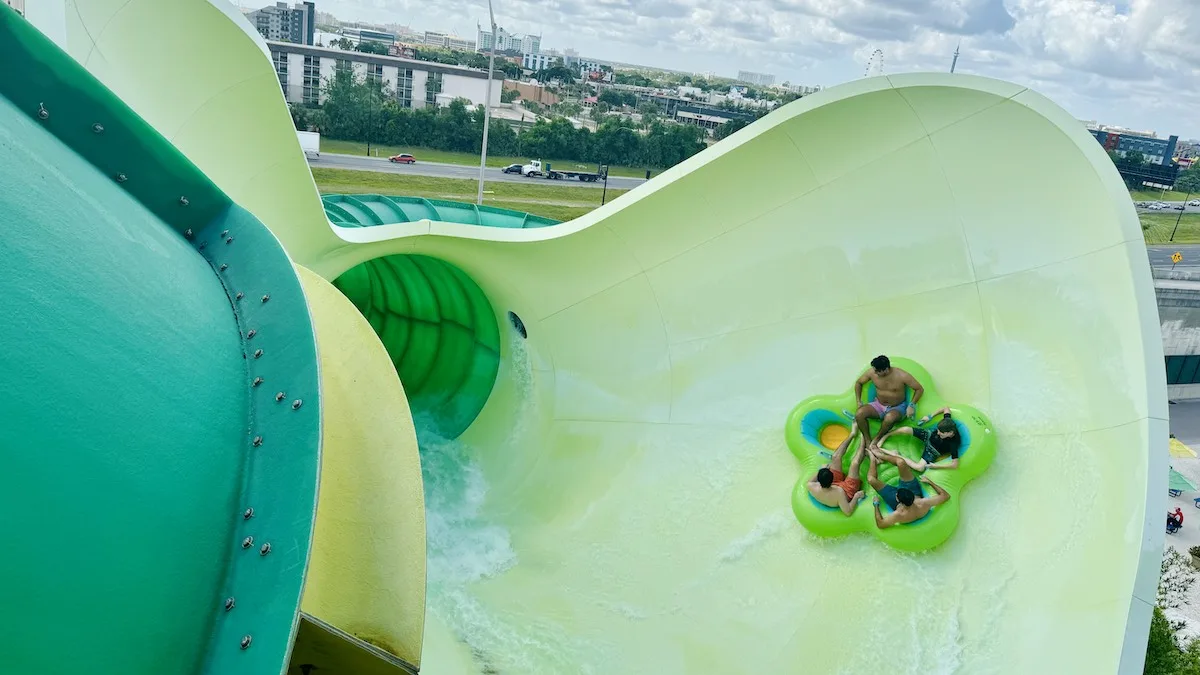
(1127, 62)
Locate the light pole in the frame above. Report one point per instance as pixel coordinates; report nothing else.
(487, 104)
(1180, 217)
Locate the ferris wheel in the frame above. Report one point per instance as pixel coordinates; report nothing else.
(874, 64)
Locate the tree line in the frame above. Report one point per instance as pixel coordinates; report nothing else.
(356, 109)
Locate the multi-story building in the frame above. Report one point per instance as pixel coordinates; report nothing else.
(709, 118)
(538, 61)
(508, 42)
(447, 41)
(357, 35)
(280, 23)
(1156, 150)
(303, 70)
(18, 5)
(759, 79)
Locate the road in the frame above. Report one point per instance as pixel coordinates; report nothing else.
(436, 170)
(1160, 256)
(1170, 209)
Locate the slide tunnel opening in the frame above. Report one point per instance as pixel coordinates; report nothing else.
(440, 330)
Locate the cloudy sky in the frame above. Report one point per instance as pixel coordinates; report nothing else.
(1134, 63)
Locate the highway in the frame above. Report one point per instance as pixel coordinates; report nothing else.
(1160, 256)
(436, 170)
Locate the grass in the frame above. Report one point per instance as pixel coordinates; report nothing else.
(468, 159)
(1158, 195)
(565, 203)
(550, 201)
(1157, 228)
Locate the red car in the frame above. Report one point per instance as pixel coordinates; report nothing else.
(402, 159)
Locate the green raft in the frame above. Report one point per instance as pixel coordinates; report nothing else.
(818, 421)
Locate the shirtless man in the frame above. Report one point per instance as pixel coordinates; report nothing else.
(907, 500)
(831, 487)
(889, 401)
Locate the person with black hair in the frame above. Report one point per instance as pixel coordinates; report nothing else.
(907, 499)
(942, 440)
(890, 403)
(831, 487)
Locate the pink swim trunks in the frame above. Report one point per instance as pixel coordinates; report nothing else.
(884, 409)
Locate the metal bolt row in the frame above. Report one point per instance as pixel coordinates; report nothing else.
(265, 549)
(256, 441)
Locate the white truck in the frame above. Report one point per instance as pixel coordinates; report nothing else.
(310, 142)
(534, 169)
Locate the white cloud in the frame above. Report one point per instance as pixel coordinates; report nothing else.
(1129, 62)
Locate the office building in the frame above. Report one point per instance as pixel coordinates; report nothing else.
(279, 23)
(434, 38)
(357, 35)
(758, 79)
(538, 61)
(302, 70)
(508, 42)
(1156, 150)
(709, 118)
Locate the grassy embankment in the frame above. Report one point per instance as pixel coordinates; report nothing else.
(551, 201)
(469, 159)
(565, 203)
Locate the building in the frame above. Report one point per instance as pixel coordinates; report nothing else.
(538, 61)
(282, 24)
(759, 79)
(358, 35)
(709, 118)
(532, 91)
(303, 69)
(1156, 150)
(447, 41)
(18, 5)
(508, 42)
(802, 90)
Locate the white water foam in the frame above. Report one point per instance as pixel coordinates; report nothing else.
(466, 546)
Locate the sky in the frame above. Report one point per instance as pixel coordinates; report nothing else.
(1133, 63)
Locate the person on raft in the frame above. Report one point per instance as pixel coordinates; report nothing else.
(942, 440)
(889, 403)
(831, 487)
(906, 500)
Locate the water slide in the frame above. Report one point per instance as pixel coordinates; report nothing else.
(619, 499)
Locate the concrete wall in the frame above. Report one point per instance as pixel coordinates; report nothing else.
(1178, 296)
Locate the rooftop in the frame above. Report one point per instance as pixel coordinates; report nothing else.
(397, 61)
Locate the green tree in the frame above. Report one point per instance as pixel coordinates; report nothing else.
(1188, 181)
(371, 47)
(509, 95)
(569, 109)
(615, 143)
(612, 97)
(343, 44)
(1132, 159)
(560, 73)
(726, 130)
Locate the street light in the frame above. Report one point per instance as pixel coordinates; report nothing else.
(487, 104)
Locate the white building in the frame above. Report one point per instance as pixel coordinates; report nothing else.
(538, 61)
(759, 79)
(290, 24)
(303, 70)
(508, 42)
(447, 41)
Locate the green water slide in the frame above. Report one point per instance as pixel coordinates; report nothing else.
(622, 499)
